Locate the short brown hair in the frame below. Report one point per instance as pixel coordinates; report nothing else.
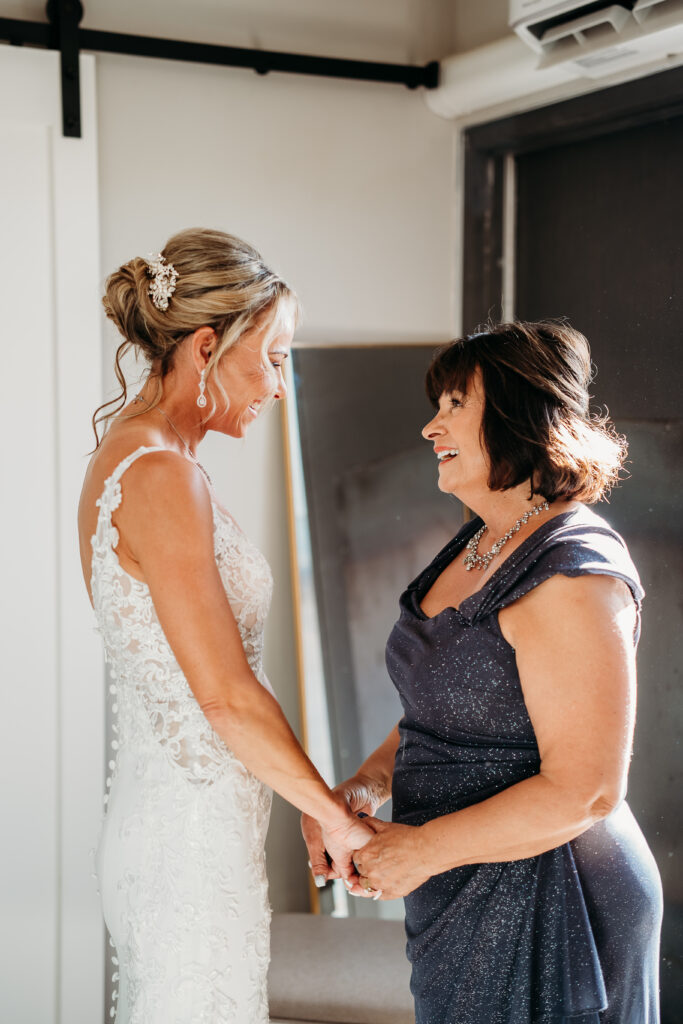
(536, 423)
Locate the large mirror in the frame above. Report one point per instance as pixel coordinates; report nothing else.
(369, 516)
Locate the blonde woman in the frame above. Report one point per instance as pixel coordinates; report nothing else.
(181, 596)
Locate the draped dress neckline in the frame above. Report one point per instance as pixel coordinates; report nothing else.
(421, 586)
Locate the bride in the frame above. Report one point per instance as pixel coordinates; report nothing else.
(181, 595)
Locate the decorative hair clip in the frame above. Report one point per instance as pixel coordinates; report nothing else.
(164, 276)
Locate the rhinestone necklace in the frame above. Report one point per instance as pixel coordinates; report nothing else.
(473, 560)
(193, 457)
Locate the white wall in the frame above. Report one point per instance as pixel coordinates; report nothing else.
(52, 714)
(478, 22)
(347, 188)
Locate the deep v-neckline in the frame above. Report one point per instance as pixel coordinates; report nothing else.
(448, 555)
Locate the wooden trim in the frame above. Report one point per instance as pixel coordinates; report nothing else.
(78, 388)
(313, 894)
(293, 562)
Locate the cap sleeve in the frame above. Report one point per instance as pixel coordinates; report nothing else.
(570, 549)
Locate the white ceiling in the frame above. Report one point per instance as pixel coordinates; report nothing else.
(412, 31)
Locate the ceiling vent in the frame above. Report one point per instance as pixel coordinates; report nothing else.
(599, 38)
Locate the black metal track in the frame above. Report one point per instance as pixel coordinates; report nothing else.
(33, 33)
(53, 36)
(261, 61)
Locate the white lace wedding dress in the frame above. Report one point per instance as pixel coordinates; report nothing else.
(181, 863)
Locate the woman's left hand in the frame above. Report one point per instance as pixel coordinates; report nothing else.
(394, 861)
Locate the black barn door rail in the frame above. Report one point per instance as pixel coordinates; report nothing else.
(62, 32)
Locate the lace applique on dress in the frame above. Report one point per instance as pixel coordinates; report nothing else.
(181, 863)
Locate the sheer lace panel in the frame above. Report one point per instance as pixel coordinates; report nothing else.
(153, 694)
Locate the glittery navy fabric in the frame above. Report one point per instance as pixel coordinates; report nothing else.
(572, 934)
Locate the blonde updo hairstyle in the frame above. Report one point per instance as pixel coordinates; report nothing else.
(222, 283)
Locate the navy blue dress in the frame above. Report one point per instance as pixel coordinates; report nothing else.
(571, 935)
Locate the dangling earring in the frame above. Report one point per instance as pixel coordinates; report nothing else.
(201, 399)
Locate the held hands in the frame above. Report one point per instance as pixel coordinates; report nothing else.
(387, 858)
(336, 840)
(358, 795)
(393, 862)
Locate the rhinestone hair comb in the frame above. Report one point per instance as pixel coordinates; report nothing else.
(164, 276)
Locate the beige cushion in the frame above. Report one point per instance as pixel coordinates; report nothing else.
(327, 970)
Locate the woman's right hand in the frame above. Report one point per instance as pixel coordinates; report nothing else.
(360, 795)
(340, 840)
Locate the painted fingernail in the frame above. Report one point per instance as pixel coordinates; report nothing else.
(377, 896)
(320, 881)
(347, 884)
(309, 864)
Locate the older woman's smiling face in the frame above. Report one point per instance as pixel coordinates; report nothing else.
(455, 433)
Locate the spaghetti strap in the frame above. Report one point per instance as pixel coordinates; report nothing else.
(106, 535)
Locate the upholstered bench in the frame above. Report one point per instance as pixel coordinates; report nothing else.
(328, 970)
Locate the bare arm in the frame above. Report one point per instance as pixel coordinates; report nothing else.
(167, 522)
(573, 640)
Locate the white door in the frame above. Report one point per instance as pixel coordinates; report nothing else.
(51, 673)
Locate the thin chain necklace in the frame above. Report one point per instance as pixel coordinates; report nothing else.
(473, 560)
(193, 457)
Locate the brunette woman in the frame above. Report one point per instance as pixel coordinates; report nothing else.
(531, 895)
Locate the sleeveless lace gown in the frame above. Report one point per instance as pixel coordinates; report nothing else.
(181, 862)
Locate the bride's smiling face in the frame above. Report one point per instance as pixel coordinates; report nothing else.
(252, 378)
(455, 433)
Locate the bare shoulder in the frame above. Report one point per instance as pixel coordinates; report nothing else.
(162, 476)
(159, 471)
(165, 501)
(569, 605)
(122, 439)
(164, 490)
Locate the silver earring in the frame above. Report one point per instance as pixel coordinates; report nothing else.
(201, 399)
